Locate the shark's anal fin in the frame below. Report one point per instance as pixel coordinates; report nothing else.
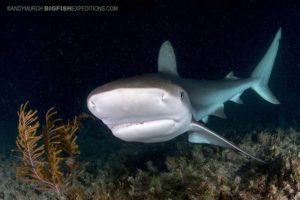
(167, 60)
(201, 134)
(236, 98)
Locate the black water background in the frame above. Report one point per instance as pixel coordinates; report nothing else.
(56, 59)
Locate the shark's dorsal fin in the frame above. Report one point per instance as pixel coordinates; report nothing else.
(167, 60)
(231, 76)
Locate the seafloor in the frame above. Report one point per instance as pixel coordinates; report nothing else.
(111, 169)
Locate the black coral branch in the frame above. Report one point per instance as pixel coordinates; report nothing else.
(68, 134)
(44, 155)
(33, 166)
(52, 146)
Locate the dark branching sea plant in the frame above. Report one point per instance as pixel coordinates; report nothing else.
(48, 158)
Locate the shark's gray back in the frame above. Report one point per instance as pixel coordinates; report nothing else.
(208, 96)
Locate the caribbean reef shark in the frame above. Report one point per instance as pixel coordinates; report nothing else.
(208, 97)
(150, 109)
(160, 107)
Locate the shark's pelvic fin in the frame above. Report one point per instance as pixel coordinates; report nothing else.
(263, 71)
(205, 119)
(167, 60)
(237, 98)
(219, 112)
(201, 134)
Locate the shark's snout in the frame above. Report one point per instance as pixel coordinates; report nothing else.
(91, 104)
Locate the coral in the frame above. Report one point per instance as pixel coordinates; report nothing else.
(68, 137)
(33, 167)
(173, 170)
(52, 147)
(42, 163)
(205, 172)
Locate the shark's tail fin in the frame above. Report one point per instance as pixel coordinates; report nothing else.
(263, 71)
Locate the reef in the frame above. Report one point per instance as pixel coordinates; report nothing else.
(206, 172)
(109, 169)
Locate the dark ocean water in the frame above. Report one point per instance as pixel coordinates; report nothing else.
(57, 58)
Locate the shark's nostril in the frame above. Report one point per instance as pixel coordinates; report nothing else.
(92, 104)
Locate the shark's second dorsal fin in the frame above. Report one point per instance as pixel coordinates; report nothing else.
(231, 76)
(167, 60)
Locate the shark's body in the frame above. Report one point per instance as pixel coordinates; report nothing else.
(158, 108)
(149, 109)
(208, 97)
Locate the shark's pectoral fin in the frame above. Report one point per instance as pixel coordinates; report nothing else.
(201, 134)
(195, 137)
(167, 60)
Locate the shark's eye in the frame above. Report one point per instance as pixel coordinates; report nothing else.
(162, 96)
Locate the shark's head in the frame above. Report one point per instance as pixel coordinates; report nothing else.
(142, 108)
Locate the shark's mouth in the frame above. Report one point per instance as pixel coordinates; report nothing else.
(124, 125)
(139, 125)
